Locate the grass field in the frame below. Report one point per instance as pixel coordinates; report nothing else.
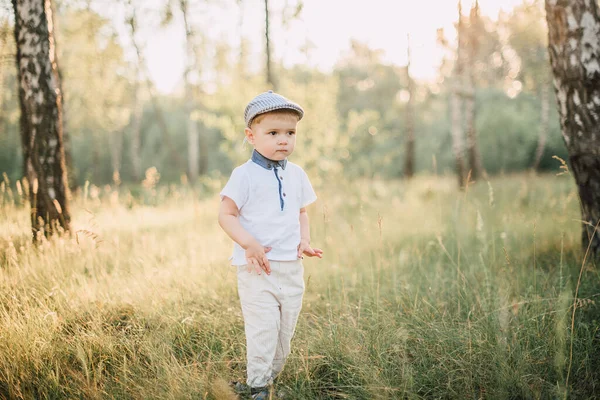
(424, 292)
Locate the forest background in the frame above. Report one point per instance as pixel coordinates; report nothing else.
(428, 288)
(119, 125)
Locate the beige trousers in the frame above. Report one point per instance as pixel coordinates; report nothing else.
(270, 306)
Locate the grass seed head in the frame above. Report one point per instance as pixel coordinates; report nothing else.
(57, 206)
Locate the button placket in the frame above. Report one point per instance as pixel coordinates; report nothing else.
(281, 202)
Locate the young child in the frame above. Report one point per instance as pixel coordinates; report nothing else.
(263, 209)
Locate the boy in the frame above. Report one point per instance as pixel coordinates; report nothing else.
(263, 210)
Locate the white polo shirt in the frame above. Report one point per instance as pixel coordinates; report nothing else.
(269, 199)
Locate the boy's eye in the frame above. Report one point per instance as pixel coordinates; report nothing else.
(291, 133)
(273, 133)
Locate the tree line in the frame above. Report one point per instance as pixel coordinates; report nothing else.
(119, 125)
(360, 109)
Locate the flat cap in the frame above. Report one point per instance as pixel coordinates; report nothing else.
(269, 101)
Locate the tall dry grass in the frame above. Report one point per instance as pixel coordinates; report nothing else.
(424, 292)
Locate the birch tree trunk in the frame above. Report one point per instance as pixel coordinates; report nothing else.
(458, 144)
(203, 149)
(158, 112)
(193, 148)
(270, 76)
(41, 116)
(116, 153)
(544, 122)
(242, 67)
(67, 143)
(135, 132)
(473, 154)
(192, 125)
(457, 138)
(3, 45)
(574, 47)
(135, 122)
(409, 157)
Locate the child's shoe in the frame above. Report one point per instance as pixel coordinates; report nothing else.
(240, 388)
(261, 393)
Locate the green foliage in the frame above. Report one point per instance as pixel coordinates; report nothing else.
(366, 83)
(509, 127)
(97, 90)
(320, 143)
(10, 142)
(485, 48)
(529, 38)
(354, 115)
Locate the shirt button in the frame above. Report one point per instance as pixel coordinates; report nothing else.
(284, 195)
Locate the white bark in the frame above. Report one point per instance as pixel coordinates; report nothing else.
(41, 113)
(574, 47)
(590, 42)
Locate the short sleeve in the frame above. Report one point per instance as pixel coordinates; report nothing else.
(308, 194)
(237, 188)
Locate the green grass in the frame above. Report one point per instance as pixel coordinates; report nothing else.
(424, 292)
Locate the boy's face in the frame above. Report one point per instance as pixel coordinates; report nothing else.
(274, 136)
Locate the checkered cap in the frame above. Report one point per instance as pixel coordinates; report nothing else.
(269, 101)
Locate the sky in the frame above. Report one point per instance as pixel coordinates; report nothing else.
(328, 25)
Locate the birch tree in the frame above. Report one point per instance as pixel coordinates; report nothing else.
(158, 112)
(41, 116)
(574, 48)
(71, 171)
(5, 32)
(270, 76)
(529, 37)
(135, 122)
(458, 141)
(472, 49)
(193, 135)
(409, 157)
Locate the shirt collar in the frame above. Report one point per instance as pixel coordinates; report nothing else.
(267, 163)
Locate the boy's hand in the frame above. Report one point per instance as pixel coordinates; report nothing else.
(257, 258)
(304, 248)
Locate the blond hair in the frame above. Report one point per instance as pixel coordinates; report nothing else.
(282, 113)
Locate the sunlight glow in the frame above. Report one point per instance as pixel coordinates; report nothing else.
(320, 35)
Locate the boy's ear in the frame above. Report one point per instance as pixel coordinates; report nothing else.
(249, 135)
